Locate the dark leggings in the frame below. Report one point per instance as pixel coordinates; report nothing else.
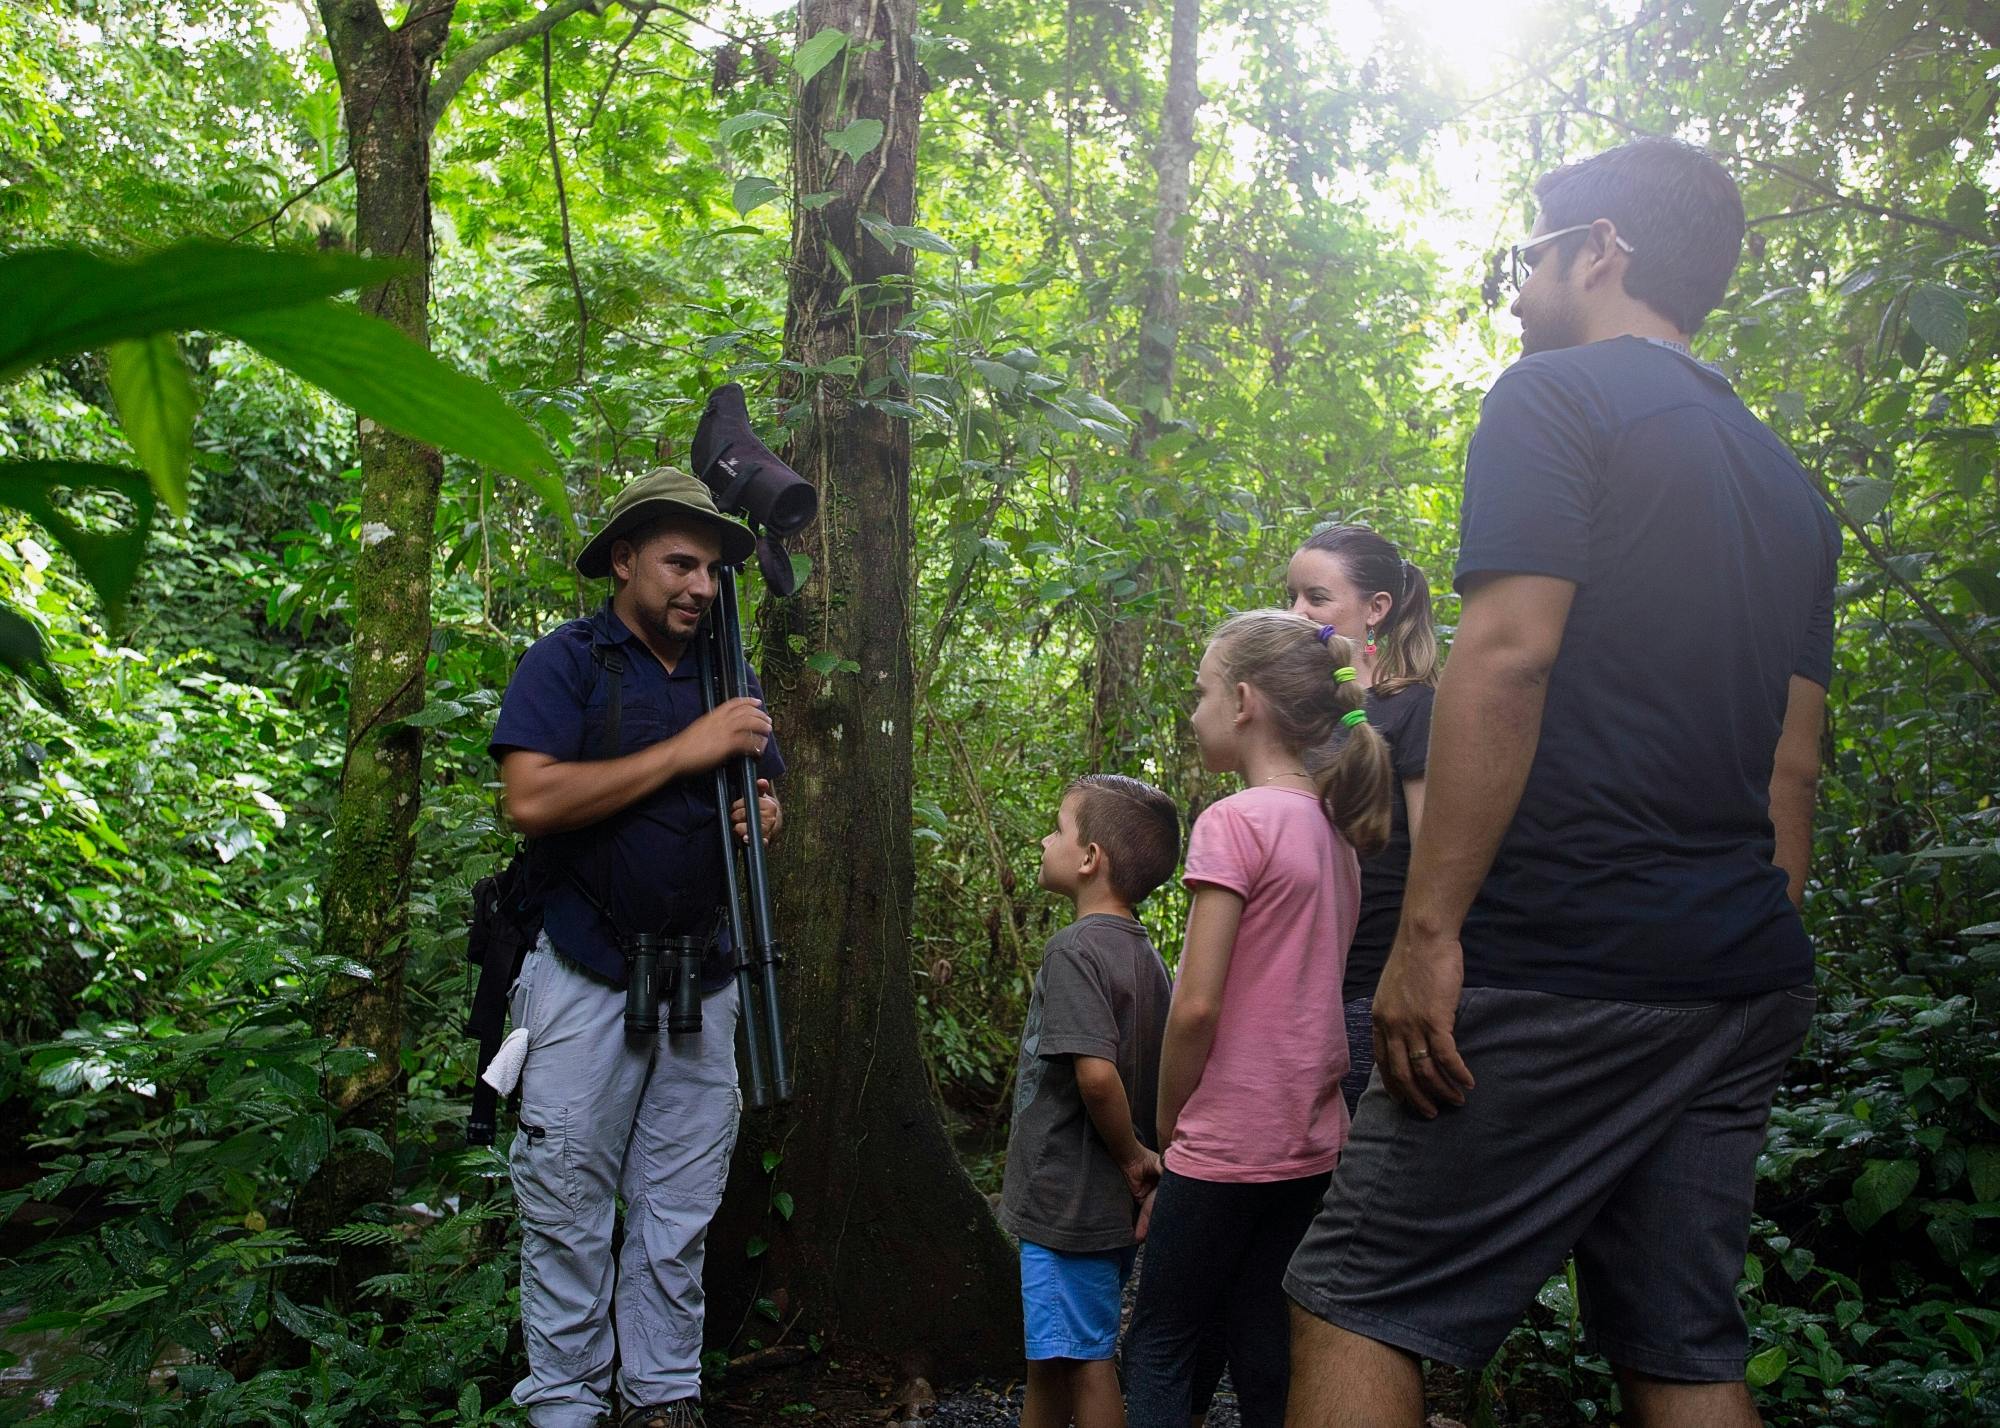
(1212, 1354)
(1216, 1256)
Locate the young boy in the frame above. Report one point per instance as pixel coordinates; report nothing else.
(1081, 1157)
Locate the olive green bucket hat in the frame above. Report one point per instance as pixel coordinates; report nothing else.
(663, 492)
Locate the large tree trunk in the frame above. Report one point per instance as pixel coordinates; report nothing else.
(384, 80)
(1117, 718)
(890, 1246)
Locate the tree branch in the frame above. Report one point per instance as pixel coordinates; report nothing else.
(1791, 213)
(453, 76)
(562, 206)
(611, 75)
(1818, 186)
(279, 212)
(1963, 647)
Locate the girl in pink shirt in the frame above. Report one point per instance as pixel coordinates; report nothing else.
(1250, 1108)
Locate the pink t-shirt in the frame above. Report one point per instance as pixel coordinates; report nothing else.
(1268, 1106)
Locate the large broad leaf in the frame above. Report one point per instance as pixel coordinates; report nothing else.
(389, 379)
(818, 52)
(743, 123)
(1880, 1188)
(55, 301)
(857, 140)
(752, 192)
(109, 559)
(156, 406)
(21, 651)
(1938, 315)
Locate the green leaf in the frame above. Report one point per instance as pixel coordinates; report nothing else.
(130, 1299)
(1866, 498)
(1982, 1164)
(857, 140)
(108, 560)
(1790, 405)
(751, 193)
(818, 52)
(1966, 206)
(737, 124)
(1766, 1368)
(431, 715)
(756, 1247)
(1982, 585)
(782, 1203)
(55, 301)
(20, 644)
(387, 378)
(1938, 315)
(881, 229)
(156, 406)
(305, 1144)
(998, 375)
(469, 1405)
(824, 662)
(1880, 1188)
(923, 240)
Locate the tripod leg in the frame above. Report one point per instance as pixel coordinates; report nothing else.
(739, 942)
(736, 680)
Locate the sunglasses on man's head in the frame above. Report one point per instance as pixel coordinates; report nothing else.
(1519, 265)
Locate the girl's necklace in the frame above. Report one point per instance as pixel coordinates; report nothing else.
(1289, 773)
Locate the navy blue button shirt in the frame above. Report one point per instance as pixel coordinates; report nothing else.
(1639, 862)
(656, 866)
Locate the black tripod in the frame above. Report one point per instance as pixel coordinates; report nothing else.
(725, 675)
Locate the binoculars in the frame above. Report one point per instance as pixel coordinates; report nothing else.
(662, 968)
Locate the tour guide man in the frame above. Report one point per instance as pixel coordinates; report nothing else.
(628, 842)
(1601, 924)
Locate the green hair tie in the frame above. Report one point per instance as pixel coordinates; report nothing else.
(1353, 717)
(1344, 675)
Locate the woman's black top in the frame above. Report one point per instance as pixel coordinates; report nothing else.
(1404, 719)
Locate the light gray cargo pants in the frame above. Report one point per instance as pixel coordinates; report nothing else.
(604, 1116)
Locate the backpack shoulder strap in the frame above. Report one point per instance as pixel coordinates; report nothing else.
(612, 662)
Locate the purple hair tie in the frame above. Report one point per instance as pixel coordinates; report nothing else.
(1326, 632)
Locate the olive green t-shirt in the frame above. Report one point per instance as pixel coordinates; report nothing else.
(1101, 991)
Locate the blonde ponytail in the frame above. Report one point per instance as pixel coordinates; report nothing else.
(1293, 663)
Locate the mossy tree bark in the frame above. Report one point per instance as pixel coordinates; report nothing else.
(391, 104)
(384, 77)
(890, 1247)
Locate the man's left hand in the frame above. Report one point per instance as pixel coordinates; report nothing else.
(1416, 1009)
(769, 813)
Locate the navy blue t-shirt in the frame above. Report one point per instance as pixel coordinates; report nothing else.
(1639, 863)
(656, 865)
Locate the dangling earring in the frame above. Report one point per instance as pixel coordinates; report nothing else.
(1371, 642)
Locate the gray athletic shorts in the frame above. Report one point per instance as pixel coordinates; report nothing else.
(1627, 1132)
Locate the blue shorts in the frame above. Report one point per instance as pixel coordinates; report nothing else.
(1070, 1301)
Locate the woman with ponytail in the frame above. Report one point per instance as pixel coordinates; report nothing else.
(1250, 1110)
(1351, 578)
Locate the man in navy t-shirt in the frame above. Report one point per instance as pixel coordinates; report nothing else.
(626, 830)
(1602, 915)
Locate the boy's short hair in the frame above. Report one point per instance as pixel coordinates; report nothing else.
(1135, 824)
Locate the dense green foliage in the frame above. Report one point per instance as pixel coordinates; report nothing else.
(166, 795)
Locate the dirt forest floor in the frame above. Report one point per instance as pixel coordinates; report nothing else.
(848, 1394)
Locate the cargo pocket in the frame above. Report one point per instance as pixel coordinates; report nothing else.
(542, 1168)
(720, 1156)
